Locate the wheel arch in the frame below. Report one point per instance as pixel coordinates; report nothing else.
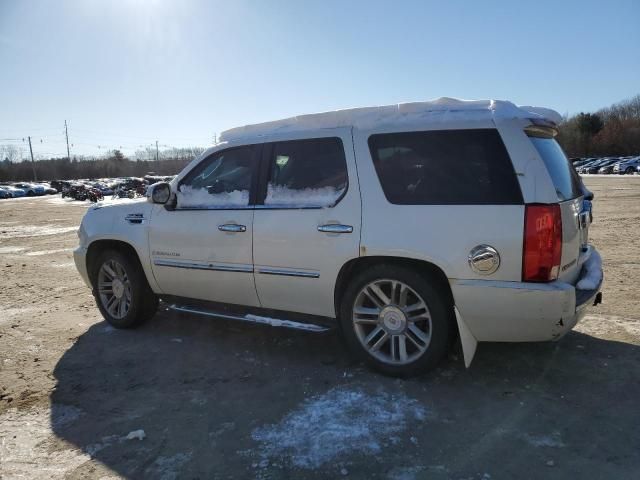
(356, 265)
(97, 246)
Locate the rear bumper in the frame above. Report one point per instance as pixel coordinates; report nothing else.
(80, 259)
(497, 311)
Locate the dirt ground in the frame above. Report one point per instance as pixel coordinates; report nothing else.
(195, 398)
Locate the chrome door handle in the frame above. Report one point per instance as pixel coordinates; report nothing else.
(232, 227)
(335, 228)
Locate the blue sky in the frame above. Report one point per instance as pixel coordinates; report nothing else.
(128, 72)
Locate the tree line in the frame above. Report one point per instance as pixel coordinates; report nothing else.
(611, 131)
(114, 164)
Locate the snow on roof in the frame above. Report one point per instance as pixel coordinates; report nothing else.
(441, 110)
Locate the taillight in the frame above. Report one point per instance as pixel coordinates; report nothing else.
(542, 243)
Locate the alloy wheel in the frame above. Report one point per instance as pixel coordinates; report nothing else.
(392, 322)
(114, 289)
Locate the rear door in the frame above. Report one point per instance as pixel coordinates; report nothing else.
(307, 221)
(576, 212)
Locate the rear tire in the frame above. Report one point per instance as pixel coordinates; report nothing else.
(121, 290)
(396, 320)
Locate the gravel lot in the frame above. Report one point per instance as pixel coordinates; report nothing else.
(218, 399)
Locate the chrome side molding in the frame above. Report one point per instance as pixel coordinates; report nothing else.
(203, 266)
(286, 272)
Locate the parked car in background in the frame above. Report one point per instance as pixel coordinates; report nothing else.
(584, 168)
(131, 187)
(105, 189)
(401, 224)
(628, 166)
(607, 167)
(581, 162)
(592, 168)
(15, 192)
(48, 189)
(30, 189)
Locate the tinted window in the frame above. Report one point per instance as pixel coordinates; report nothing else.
(564, 177)
(221, 180)
(445, 167)
(306, 173)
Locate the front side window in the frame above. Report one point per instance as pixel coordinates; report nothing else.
(222, 180)
(306, 173)
(445, 167)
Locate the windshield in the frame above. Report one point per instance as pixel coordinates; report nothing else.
(564, 177)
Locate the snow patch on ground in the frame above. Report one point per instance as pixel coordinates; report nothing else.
(592, 269)
(27, 440)
(189, 197)
(553, 441)
(38, 253)
(306, 197)
(64, 265)
(406, 473)
(24, 231)
(168, 467)
(9, 250)
(135, 435)
(9, 313)
(341, 422)
(58, 200)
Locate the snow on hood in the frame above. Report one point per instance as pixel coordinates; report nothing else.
(442, 109)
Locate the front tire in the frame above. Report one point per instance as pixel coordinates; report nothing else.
(121, 290)
(396, 320)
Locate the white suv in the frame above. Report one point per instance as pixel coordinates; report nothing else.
(407, 226)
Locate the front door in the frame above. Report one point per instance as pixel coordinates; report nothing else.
(203, 248)
(307, 221)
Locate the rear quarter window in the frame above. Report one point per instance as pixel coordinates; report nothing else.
(564, 177)
(445, 167)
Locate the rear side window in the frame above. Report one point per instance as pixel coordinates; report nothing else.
(306, 173)
(564, 177)
(445, 167)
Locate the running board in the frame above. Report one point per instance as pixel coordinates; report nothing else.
(274, 322)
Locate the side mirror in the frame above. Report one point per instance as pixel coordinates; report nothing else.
(160, 193)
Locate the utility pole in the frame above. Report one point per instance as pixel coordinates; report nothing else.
(33, 165)
(66, 133)
(156, 151)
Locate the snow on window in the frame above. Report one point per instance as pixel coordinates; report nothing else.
(278, 195)
(189, 197)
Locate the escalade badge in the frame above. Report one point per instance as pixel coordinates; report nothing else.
(165, 254)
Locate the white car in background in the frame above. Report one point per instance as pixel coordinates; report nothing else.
(406, 226)
(30, 189)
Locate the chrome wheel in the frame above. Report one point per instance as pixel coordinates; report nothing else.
(114, 289)
(392, 322)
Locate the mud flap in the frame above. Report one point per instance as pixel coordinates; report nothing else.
(468, 341)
